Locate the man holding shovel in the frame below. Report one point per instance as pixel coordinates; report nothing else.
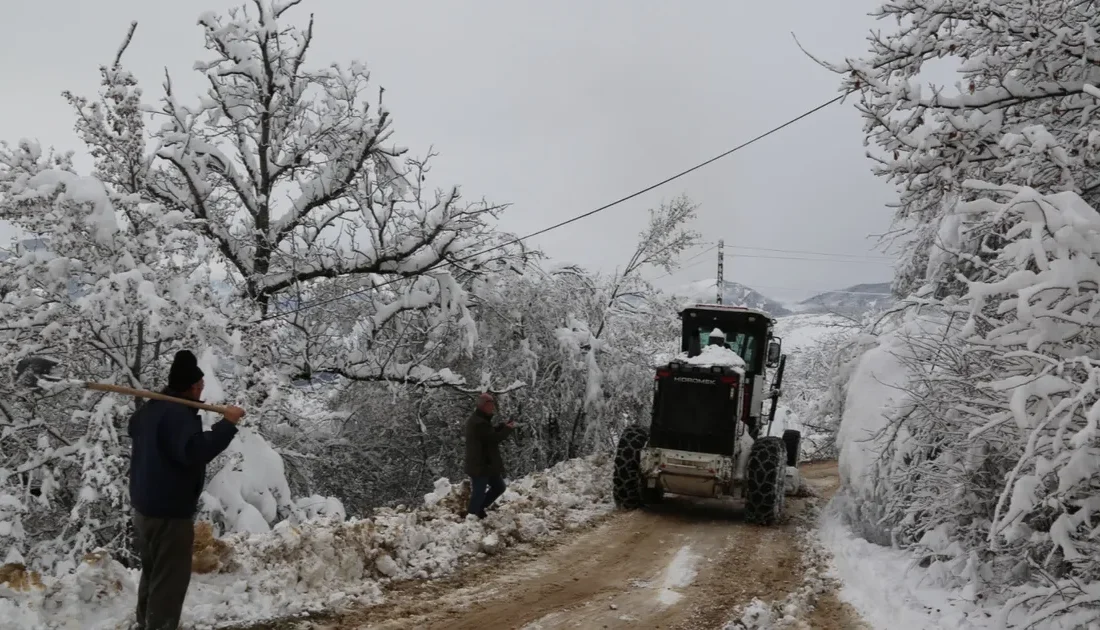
(167, 470)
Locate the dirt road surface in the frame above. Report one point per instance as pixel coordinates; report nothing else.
(686, 564)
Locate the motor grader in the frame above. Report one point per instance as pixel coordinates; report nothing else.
(707, 435)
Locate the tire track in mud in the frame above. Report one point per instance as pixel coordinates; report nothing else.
(685, 564)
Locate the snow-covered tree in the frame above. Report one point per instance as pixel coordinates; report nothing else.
(989, 460)
(294, 179)
(983, 463)
(533, 326)
(281, 182)
(660, 245)
(1019, 113)
(106, 287)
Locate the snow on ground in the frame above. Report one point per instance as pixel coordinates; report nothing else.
(327, 563)
(886, 587)
(680, 573)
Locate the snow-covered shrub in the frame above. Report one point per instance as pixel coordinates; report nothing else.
(978, 447)
(1018, 113)
(982, 463)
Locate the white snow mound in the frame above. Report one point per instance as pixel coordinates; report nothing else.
(714, 355)
(295, 569)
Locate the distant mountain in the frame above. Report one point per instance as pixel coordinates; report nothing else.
(733, 294)
(856, 299)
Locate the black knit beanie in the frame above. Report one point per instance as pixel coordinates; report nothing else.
(185, 372)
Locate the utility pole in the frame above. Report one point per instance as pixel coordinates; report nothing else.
(721, 283)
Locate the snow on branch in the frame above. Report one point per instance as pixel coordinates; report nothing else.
(1020, 110)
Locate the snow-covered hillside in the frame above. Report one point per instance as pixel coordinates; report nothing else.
(853, 301)
(805, 331)
(733, 293)
(850, 301)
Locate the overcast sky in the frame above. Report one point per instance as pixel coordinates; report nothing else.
(557, 108)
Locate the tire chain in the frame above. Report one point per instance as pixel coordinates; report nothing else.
(765, 481)
(626, 486)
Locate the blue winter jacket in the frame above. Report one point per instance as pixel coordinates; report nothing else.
(168, 458)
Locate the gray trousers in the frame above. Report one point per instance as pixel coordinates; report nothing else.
(164, 545)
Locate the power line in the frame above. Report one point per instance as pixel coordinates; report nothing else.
(573, 219)
(702, 253)
(684, 266)
(838, 260)
(804, 251)
(818, 291)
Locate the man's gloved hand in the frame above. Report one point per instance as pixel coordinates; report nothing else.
(233, 414)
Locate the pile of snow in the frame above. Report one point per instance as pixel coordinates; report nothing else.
(248, 491)
(715, 355)
(875, 390)
(295, 569)
(709, 357)
(887, 588)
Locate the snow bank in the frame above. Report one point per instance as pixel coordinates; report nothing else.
(326, 563)
(873, 394)
(888, 590)
(876, 393)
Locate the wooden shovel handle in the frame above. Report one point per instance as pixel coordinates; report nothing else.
(142, 393)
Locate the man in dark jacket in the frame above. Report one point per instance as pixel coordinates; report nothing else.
(168, 461)
(483, 461)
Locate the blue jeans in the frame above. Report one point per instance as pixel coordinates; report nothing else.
(483, 492)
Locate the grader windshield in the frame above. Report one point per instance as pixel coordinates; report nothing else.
(745, 331)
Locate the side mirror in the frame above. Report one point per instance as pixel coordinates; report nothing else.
(775, 350)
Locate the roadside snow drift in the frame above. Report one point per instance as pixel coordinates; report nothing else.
(323, 563)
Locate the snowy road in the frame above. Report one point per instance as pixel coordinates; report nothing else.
(687, 564)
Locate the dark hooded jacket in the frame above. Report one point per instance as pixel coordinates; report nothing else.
(168, 458)
(483, 445)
